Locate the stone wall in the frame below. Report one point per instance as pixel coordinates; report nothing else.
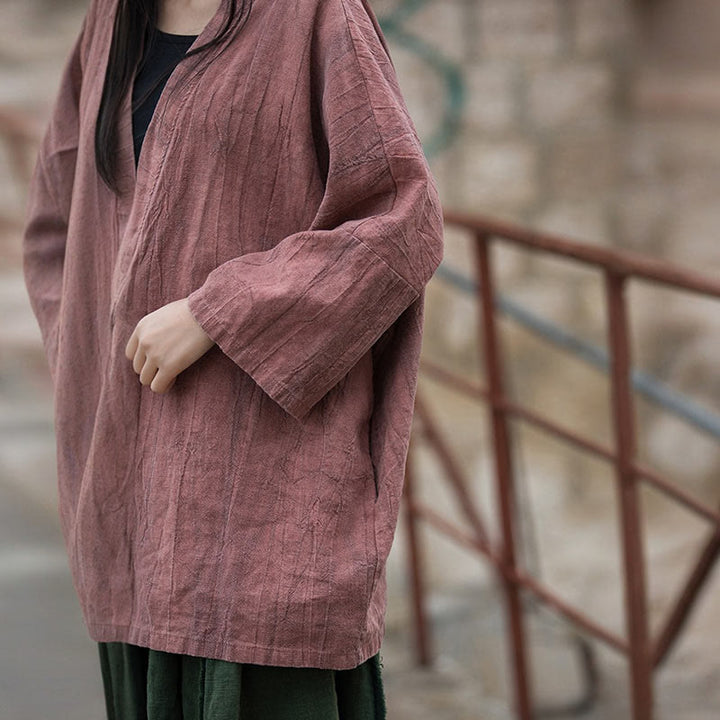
(544, 89)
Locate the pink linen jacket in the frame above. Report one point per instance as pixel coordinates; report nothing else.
(247, 513)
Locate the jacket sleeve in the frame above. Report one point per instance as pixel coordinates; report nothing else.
(48, 204)
(298, 317)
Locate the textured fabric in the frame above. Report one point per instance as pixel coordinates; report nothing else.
(247, 514)
(143, 684)
(163, 53)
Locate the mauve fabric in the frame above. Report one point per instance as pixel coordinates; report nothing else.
(246, 514)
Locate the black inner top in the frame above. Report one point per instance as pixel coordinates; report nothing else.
(163, 54)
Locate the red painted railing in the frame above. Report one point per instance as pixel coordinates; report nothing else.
(644, 653)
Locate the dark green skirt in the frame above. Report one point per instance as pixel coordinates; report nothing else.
(143, 684)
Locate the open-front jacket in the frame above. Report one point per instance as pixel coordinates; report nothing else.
(247, 513)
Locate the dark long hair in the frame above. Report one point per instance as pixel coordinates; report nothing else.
(134, 29)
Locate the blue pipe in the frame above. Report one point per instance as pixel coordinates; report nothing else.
(646, 384)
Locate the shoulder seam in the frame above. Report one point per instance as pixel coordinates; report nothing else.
(377, 128)
(385, 152)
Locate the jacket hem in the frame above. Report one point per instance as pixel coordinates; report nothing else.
(238, 652)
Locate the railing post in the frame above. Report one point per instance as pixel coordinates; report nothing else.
(504, 478)
(416, 562)
(629, 499)
(689, 595)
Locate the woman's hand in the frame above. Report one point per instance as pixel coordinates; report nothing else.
(164, 343)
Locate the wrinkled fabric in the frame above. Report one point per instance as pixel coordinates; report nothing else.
(246, 514)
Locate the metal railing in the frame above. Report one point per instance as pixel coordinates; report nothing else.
(644, 653)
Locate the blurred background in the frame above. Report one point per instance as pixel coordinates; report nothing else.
(594, 120)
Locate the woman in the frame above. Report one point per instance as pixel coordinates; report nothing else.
(231, 304)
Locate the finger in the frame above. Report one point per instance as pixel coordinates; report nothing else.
(162, 381)
(131, 346)
(139, 360)
(148, 372)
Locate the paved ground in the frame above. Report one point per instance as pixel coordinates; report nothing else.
(49, 668)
